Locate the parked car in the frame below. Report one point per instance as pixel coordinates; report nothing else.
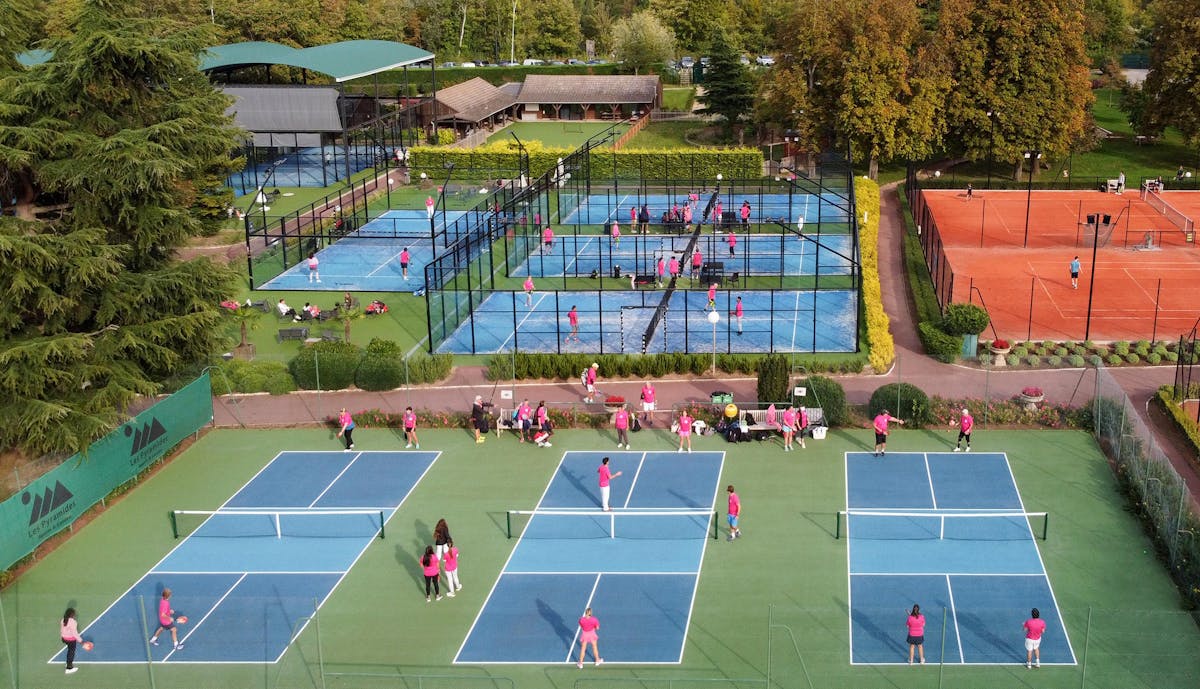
(686, 62)
(597, 61)
(448, 64)
(765, 60)
(745, 59)
(507, 63)
(556, 63)
(468, 64)
(573, 61)
(532, 62)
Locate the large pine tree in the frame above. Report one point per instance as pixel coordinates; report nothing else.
(106, 149)
(728, 91)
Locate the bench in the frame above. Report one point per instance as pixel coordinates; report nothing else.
(816, 417)
(330, 336)
(291, 334)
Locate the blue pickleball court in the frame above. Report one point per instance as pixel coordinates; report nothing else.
(949, 532)
(597, 209)
(638, 572)
(249, 582)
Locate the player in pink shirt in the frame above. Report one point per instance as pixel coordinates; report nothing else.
(547, 240)
(314, 275)
(735, 512)
(69, 633)
(685, 430)
(965, 424)
(573, 321)
(697, 263)
(166, 620)
(410, 428)
(738, 312)
(589, 382)
(405, 257)
(880, 424)
(801, 424)
(788, 427)
(429, 204)
(606, 477)
(744, 213)
(732, 241)
(528, 291)
(633, 217)
(450, 563)
(716, 219)
(674, 267)
(524, 419)
(648, 404)
(429, 567)
(587, 635)
(916, 633)
(621, 423)
(616, 233)
(660, 268)
(687, 218)
(346, 422)
(712, 297)
(1034, 627)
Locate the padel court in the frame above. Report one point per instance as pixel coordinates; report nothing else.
(947, 531)
(753, 254)
(368, 258)
(596, 209)
(637, 566)
(774, 320)
(252, 573)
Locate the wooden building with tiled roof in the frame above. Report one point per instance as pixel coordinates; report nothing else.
(586, 97)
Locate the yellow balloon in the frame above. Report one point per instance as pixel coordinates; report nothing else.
(731, 411)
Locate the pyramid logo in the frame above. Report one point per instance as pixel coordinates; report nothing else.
(47, 502)
(147, 434)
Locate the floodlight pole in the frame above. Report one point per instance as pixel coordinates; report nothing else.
(1033, 157)
(523, 157)
(1087, 328)
(441, 201)
(249, 223)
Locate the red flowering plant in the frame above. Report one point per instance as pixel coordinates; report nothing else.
(1031, 391)
(613, 400)
(999, 343)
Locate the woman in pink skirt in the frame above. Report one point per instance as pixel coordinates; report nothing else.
(587, 635)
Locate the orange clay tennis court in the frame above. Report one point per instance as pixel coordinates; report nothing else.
(1147, 272)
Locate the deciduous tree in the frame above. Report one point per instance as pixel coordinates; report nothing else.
(642, 42)
(1173, 84)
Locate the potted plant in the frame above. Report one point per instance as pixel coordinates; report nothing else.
(613, 402)
(999, 349)
(1031, 396)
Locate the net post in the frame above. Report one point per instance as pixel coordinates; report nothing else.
(837, 532)
(612, 524)
(174, 525)
(278, 528)
(508, 523)
(1045, 525)
(382, 524)
(716, 522)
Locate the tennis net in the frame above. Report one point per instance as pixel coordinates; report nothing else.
(919, 526)
(1158, 203)
(278, 523)
(666, 524)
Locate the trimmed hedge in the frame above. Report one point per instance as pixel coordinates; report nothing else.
(252, 376)
(965, 319)
(379, 372)
(567, 366)
(937, 343)
(326, 365)
(905, 400)
(830, 396)
(879, 337)
(773, 379)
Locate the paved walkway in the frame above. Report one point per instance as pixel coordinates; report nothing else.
(1071, 386)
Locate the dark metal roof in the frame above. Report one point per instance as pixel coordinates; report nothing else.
(284, 108)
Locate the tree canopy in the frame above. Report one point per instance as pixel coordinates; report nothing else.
(728, 91)
(108, 149)
(642, 42)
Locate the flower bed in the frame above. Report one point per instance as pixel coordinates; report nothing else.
(1071, 354)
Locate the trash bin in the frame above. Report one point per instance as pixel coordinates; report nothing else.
(970, 346)
(818, 432)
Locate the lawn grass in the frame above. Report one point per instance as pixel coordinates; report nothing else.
(554, 134)
(1116, 599)
(679, 99)
(660, 135)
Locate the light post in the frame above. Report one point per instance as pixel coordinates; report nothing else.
(512, 45)
(991, 145)
(714, 317)
(1087, 328)
(1033, 157)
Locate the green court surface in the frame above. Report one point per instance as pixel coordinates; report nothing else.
(785, 579)
(554, 134)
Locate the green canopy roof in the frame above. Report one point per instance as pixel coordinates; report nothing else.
(342, 61)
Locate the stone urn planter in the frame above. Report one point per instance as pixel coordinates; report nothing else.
(999, 349)
(613, 405)
(1031, 398)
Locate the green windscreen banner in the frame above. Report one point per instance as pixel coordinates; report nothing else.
(51, 503)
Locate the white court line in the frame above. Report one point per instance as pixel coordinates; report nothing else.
(929, 475)
(578, 252)
(796, 317)
(532, 310)
(633, 483)
(954, 615)
(605, 572)
(575, 637)
(849, 573)
(244, 572)
(205, 617)
(335, 478)
(952, 574)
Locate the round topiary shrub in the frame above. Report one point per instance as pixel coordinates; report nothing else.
(964, 319)
(1142, 347)
(1033, 360)
(1160, 349)
(1060, 351)
(1021, 351)
(379, 372)
(1012, 359)
(1042, 351)
(1079, 350)
(1114, 360)
(1076, 361)
(903, 400)
(828, 394)
(325, 366)
(1121, 348)
(1154, 358)
(1055, 361)
(1095, 360)
(1133, 358)
(1171, 356)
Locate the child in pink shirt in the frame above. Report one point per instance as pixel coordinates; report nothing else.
(685, 431)
(69, 633)
(166, 620)
(916, 633)
(528, 291)
(788, 428)
(1034, 627)
(660, 268)
(410, 428)
(616, 233)
(429, 567)
(405, 257)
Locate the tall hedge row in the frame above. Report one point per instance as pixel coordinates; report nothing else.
(879, 337)
(380, 366)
